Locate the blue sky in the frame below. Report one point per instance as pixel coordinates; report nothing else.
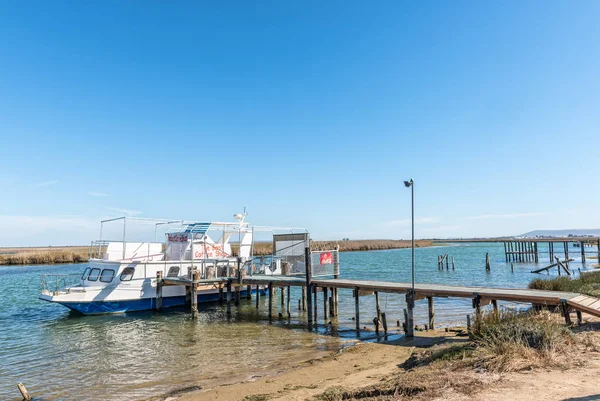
(308, 113)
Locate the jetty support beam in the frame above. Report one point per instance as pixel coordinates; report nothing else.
(159, 290)
(410, 305)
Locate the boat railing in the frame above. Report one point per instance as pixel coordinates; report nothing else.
(53, 284)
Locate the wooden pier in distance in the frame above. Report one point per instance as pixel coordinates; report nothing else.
(526, 250)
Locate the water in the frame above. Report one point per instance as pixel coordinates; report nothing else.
(61, 356)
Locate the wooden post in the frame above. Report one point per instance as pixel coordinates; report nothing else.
(303, 299)
(315, 303)
(325, 303)
(282, 296)
(377, 311)
(336, 264)
(332, 303)
(307, 263)
(23, 391)
(487, 261)
(579, 317)
(384, 322)
(452, 262)
(565, 311)
(270, 300)
(495, 305)
(477, 307)
(229, 297)
(238, 290)
(220, 293)
(410, 305)
(510, 255)
(447, 262)
(439, 262)
(194, 292)
(512, 267)
(431, 313)
(288, 302)
(583, 253)
(505, 252)
(356, 309)
(536, 253)
(257, 295)
(598, 250)
(469, 324)
(248, 292)
(159, 290)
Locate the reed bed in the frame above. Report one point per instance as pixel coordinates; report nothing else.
(32, 256)
(79, 254)
(587, 283)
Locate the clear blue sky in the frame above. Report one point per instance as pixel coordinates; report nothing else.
(308, 113)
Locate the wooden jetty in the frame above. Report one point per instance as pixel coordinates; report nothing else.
(329, 287)
(526, 250)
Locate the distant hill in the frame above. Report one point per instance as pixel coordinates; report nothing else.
(595, 232)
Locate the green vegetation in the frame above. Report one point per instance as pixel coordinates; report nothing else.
(500, 342)
(588, 284)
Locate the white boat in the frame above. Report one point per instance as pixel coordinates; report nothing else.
(121, 276)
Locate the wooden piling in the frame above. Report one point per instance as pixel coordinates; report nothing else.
(257, 296)
(238, 291)
(487, 261)
(537, 258)
(384, 322)
(220, 294)
(505, 252)
(248, 292)
(308, 266)
(23, 391)
(431, 312)
(282, 297)
(270, 289)
(495, 305)
(159, 290)
(194, 292)
(477, 307)
(452, 262)
(447, 262)
(303, 299)
(377, 310)
(229, 297)
(410, 305)
(583, 253)
(315, 303)
(332, 311)
(325, 303)
(579, 317)
(565, 312)
(288, 302)
(356, 309)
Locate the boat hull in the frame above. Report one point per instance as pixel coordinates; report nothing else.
(135, 305)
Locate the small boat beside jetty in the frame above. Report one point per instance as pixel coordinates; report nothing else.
(122, 276)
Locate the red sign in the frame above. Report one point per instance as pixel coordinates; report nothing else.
(326, 258)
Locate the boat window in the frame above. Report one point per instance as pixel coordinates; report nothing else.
(85, 273)
(107, 275)
(127, 274)
(173, 271)
(94, 273)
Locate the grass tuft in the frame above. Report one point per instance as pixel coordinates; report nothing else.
(588, 284)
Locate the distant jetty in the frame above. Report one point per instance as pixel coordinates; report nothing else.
(80, 254)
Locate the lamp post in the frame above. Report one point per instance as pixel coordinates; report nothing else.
(411, 184)
(410, 298)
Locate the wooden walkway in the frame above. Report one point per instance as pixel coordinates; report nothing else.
(481, 296)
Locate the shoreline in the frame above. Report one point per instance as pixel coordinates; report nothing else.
(364, 368)
(11, 256)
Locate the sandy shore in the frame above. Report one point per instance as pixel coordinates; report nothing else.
(369, 363)
(352, 367)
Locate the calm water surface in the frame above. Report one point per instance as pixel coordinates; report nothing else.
(62, 356)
